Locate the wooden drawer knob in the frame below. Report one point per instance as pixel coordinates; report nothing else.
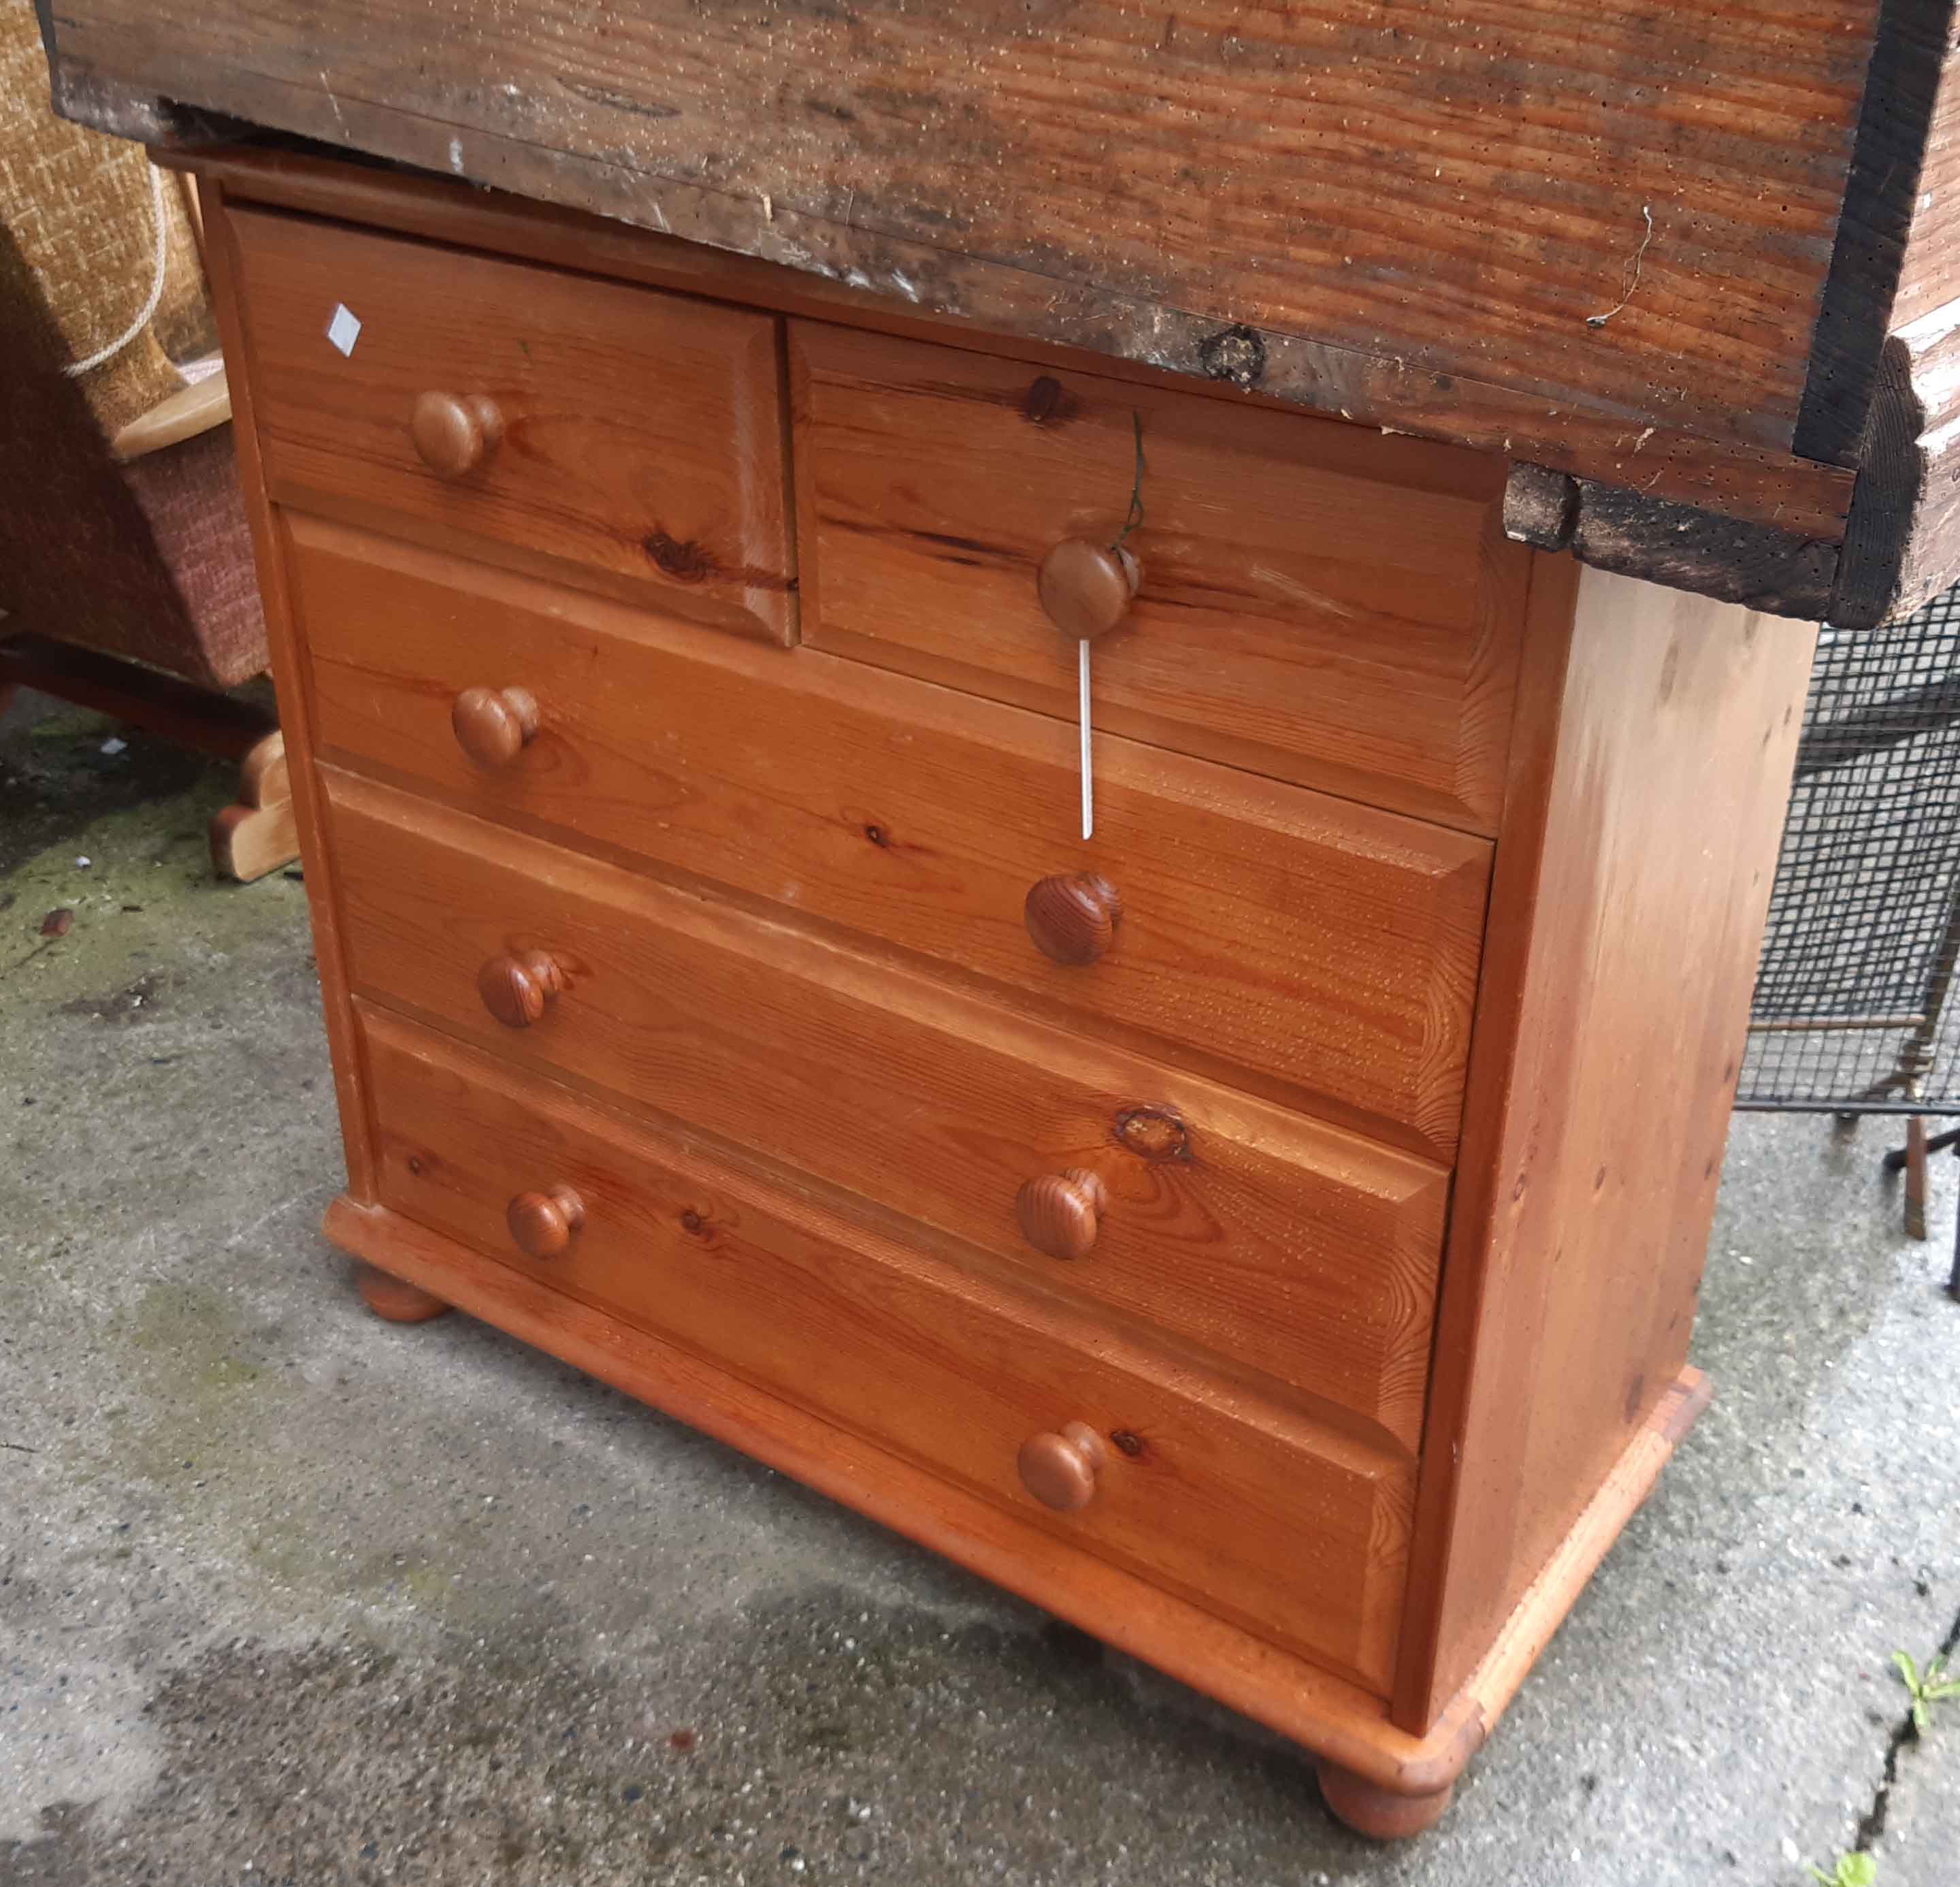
(1073, 915)
(1060, 1470)
(544, 1224)
(455, 434)
(1085, 588)
(1059, 1211)
(493, 725)
(517, 987)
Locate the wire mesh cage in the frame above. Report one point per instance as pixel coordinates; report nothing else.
(1852, 1009)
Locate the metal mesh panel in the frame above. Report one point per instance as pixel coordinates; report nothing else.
(1851, 1008)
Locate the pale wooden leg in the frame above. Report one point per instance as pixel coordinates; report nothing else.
(256, 833)
(1379, 1813)
(395, 1298)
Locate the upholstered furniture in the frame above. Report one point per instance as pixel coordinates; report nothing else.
(125, 570)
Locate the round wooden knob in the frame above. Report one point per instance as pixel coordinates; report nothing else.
(543, 1224)
(1085, 588)
(493, 725)
(518, 986)
(1059, 1211)
(1073, 915)
(454, 434)
(1060, 1470)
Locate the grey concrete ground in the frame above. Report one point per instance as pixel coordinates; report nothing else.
(288, 1594)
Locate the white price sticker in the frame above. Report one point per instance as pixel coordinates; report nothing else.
(344, 329)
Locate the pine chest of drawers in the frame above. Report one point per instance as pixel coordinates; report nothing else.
(1264, 1232)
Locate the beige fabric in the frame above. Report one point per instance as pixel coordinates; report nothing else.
(78, 207)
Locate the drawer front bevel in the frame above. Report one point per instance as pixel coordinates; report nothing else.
(1317, 602)
(1296, 1533)
(617, 437)
(1329, 949)
(1268, 1242)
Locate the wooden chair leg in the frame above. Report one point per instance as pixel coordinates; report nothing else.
(1379, 1813)
(395, 1298)
(256, 832)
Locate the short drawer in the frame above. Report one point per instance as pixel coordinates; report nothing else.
(616, 436)
(1318, 602)
(1272, 1243)
(1294, 1531)
(1330, 946)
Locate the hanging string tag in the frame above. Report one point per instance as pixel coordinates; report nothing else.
(1088, 762)
(1086, 589)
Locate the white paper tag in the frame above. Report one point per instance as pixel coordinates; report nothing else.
(344, 329)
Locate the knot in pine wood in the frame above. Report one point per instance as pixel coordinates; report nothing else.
(685, 562)
(1153, 1132)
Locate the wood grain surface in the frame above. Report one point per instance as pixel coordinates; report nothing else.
(1318, 603)
(717, 1105)
(642, 445)
(221, 260)
(1295, 1698)
(1633, 873)
(1092, 330)
(1294, 1531)
(1328, 947)
(1277, 1245)
(1467, 189)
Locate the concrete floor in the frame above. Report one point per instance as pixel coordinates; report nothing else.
(287, 1595)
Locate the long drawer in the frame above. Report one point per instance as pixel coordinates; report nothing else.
(1294, 1532)
(1330, 948)
(1277, 1244)
(1318, 602)
(610, 435)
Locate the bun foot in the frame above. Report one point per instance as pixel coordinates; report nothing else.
(395, 1298)
(1379, 1813)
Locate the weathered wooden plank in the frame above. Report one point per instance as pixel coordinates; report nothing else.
(1466, 190)
(1780, 571)
(121, 109)
(1742, 481)
(1885, 219)
(1903, 545)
